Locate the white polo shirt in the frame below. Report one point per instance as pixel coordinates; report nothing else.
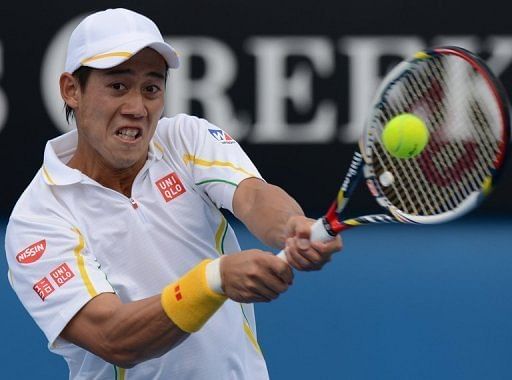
(69, 239)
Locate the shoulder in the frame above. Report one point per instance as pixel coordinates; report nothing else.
(39, 203)
(183, 124)
(185, 132)
(36, 190)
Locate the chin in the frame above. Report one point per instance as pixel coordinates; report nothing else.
(124, 163)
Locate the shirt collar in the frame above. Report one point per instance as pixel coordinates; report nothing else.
(59, 151)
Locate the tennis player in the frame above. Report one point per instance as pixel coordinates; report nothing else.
(118, 249)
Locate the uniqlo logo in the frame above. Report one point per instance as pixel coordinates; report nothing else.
(170, 187)
(43, 288)
(62, 274)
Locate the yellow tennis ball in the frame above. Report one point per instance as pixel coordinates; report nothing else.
(405, 136)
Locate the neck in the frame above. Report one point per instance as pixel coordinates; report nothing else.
(120, 180)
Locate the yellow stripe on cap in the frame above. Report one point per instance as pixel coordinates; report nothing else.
(121, 54)
(81, 264)
(207, 163)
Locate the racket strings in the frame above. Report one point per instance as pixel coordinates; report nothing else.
(480, 147)
(462, 148)
(413, 189)
(457, 148)
(448, 155)
(412, 89)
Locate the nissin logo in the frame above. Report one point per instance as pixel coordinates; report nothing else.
(221, 136)
(32, 253)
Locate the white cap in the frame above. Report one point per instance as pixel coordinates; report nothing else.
(108, 38)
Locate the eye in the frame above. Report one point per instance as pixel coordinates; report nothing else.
(152, 89)
(118, 86)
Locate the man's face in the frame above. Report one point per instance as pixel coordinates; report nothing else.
(118, 111)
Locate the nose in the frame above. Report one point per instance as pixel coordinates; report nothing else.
(134, 105)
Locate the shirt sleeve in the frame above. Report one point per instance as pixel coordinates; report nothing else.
(51, 271)
(215, 161)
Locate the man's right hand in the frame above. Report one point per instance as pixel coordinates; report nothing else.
(254, 276)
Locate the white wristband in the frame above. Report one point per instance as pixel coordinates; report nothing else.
(213, 276)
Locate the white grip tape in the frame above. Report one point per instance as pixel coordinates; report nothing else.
(318, 233)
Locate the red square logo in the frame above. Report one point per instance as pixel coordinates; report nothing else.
(62, 274)
(43, 288)
(170, 187)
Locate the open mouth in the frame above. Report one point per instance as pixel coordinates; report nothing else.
(129, 134)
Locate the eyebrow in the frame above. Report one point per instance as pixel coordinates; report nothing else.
(115, 72)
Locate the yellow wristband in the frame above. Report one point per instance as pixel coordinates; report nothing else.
(189, 302)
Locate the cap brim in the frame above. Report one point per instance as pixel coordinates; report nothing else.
(122, 53)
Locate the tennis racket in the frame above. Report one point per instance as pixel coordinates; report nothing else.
(466, 112)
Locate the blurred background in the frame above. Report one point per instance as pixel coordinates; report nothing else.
(292, 81)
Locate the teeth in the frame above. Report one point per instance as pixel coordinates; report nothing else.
(128, 132)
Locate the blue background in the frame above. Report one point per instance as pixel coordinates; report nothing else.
(400, 302)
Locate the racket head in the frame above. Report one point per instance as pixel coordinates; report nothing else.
(466, 111)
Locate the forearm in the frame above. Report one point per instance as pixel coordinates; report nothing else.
(141, 330)
(265, 210)
(125, 334)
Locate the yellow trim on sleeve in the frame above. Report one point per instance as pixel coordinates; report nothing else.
(219, 236)
(207, 163)
(81, 264)
(252, 338)
(47, 176)
(123, 54)
(158, 146)
(120, 373)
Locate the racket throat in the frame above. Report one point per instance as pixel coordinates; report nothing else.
(331, 223)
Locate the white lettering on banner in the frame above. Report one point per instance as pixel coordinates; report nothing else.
(273, 88)
(364, 53)
(4, 109)
(211, 89)
(276, 83)
(501, 48)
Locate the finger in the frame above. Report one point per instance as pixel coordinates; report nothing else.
(283, 271)
(308, 258)
(293, 257)
(300, 262)
(270, 288)
(300, 226)
(328, 247)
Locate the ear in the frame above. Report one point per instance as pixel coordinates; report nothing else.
(69, 89)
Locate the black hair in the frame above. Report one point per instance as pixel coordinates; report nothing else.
(82, 74)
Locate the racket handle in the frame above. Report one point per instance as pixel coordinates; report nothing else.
(318, 233)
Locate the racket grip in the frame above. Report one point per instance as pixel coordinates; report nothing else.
(318, 233)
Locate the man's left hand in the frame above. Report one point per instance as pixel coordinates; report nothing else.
(303, 254)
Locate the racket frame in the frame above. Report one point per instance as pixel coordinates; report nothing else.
(361, 164)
